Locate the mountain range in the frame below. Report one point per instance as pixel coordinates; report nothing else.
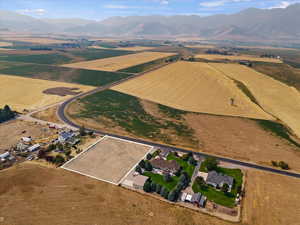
(254, 24)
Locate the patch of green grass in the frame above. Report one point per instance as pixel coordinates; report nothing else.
(184, 164)
(159, 179)
(127, 112)
(91, 54)
(51, 59)
(147, 66)
(171, 112)
(49, 72)
(277, 129)
(218, 196)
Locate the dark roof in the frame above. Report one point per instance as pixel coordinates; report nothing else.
(218, 179)
(170, 165)
(196, 197)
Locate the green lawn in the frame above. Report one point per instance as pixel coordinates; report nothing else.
(218, 196)
(158, 179)
(185, 165)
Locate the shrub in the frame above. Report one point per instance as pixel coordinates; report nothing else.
(167, 177)
(147, 186)
(149, 156)
(211, 163)
(138, 169)
(142, 164)
(158, 188)
(283, 165)
(148, 166)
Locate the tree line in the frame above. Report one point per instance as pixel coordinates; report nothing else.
(6, 114)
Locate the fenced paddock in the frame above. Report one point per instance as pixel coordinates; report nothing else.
(110, 159)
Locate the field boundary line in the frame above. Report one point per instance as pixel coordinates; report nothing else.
(86, 150)
(121, 139)
(90, 176)
(135, 165)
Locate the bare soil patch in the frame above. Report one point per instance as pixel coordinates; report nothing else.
(62, 91)
(108, 160)
(242, 139)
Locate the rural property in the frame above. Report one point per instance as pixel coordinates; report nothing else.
(109, 160)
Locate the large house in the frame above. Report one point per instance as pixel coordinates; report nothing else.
(218, 180)
(165, 166)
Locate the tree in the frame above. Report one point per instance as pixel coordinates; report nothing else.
(225, 188)
(138, 169)
(82, 131)
(148, 166)
(166, 194)
(200, 182)
(274, 163)
(192, 161)
(51, 147)
(211, 163)
(186, 157)
(163, 191)
(153, 187)
(173, 195)
(167, 177)
(158, 188)
(283, 165)
(142, 164)
(147, 186)
(58, 160)
(149, 156)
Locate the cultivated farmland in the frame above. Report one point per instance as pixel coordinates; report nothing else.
(25, 93)
(108, 160)
(37, 40)
(194, 87)
(119, 62)
(238, 57)
(273, 96)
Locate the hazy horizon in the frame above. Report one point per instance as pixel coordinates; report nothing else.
(95, 10)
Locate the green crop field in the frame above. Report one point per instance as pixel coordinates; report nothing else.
(91, 54)
(55, 73)
(52, 58)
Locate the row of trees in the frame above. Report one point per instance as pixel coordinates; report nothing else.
(151, 186)
(6, 114)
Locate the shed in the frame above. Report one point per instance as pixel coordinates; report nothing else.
(34, 148)
(26, 139)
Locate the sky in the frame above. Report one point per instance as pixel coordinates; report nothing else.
(101, 9)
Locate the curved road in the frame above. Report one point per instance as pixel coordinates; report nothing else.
(63, 117)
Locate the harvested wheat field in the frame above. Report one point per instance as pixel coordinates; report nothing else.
(134, 49)
(271, 199)
(32, 194)
(276, 98)
(26, 93)
(119, 62)
(237, 57)
(195, 87)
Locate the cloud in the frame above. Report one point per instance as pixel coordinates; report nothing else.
(164, 2)
(39, 12)
(112, 6)
(281, 5)
(212, 4)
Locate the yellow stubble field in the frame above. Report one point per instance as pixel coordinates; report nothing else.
(276, 98)
(195, 87)
(134, 49)
(119, 62)
(237, 57)
(37, 40)
(26, 93)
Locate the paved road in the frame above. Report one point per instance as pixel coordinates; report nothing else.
(62, 116)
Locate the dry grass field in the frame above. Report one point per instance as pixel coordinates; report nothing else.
(195, 87)
(36, 40)
(119, 62)
(273, 96)
(32, 194)
(135, 48)
(242, 139)
(108, 160)
(11, 132)
(271, 199)
(26, 93)
(200, 46)
(48, 114)
(237, 57)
